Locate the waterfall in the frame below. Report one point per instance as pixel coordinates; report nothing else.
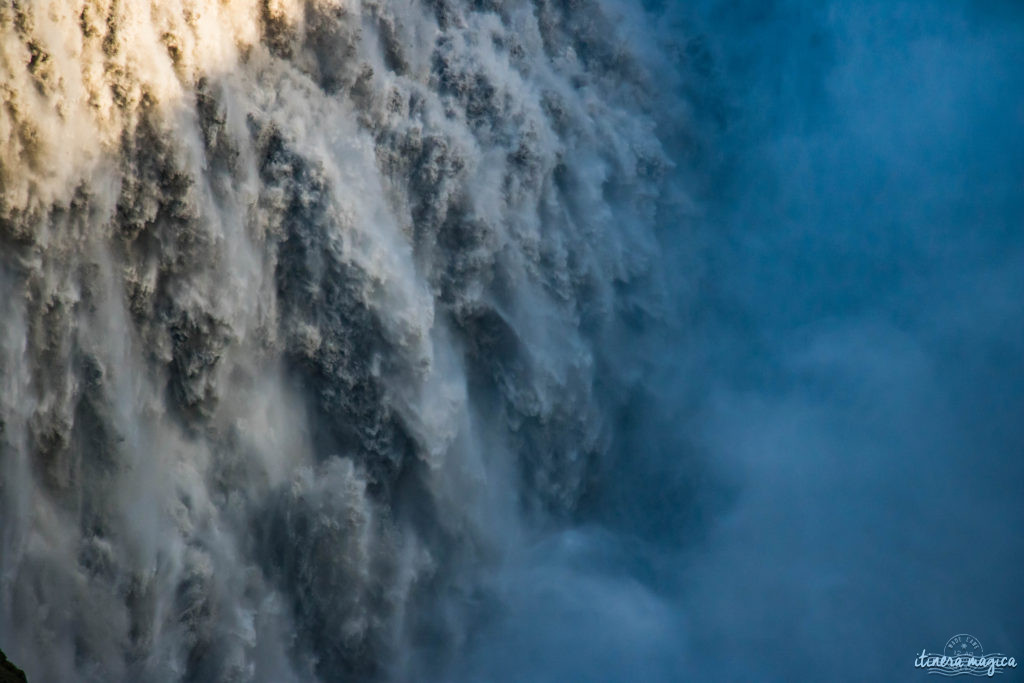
(505, 341)
(314, 314)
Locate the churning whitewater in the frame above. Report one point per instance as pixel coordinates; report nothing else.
(312, 312)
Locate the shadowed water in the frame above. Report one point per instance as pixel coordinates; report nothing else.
(509, 341)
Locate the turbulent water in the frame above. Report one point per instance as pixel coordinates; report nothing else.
(509, 340)
(313, 313)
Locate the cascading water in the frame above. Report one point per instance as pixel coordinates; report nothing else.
(311, 313)
(509, 341)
